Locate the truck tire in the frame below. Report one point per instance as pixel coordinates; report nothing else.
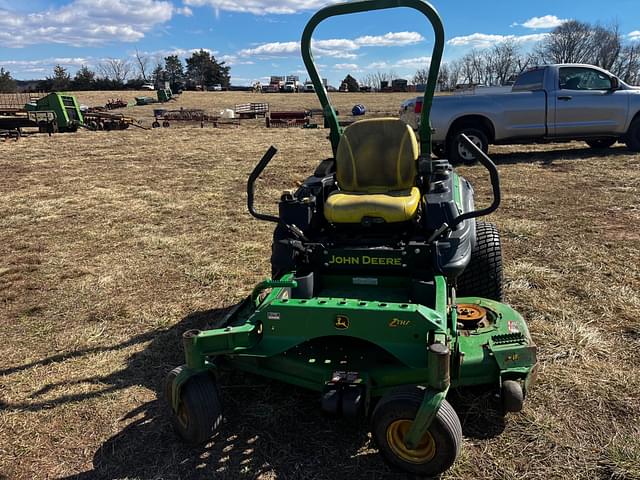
(458, 153)
(601, 143)
(483, 275)
(633, 135)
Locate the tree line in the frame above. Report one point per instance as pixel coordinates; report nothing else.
(571, 42)
(201, 69)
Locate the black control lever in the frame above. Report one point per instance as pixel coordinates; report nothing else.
(264, 161)
(495, 185)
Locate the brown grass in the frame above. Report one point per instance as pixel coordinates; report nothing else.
(114, 243)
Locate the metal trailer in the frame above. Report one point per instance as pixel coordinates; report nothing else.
(190, 116)
(287, 119)
(45, 121)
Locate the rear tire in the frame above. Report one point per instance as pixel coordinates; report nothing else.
(633, 136)
(200, 411)
(483, 275)
(439, 448)
(601, 144)
(458, 153)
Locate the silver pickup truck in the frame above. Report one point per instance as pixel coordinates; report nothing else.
(546, 104)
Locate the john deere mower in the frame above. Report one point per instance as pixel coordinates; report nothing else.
(384, 293)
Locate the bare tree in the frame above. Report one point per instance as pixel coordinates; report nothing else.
(607, 45)
(142, 63)
(571, 42)
(115, 69)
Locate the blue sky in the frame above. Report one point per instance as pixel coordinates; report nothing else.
(259, 38)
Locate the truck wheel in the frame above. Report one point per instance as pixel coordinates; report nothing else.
(458, 153)
(483, 275)
(437, 450)
(633, 136)
(601, 144)
(200, 412)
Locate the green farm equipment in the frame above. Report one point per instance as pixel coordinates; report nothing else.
(385, 291)
(66, 109)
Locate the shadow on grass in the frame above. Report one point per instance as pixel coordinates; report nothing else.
(271, 430)
(551, 156)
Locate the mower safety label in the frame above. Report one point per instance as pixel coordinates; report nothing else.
(364, 260)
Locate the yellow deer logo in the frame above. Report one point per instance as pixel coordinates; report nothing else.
(341, 322)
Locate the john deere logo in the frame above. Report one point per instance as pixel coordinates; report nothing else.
(341, 322)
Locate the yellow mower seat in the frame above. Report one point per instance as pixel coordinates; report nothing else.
(376, 173)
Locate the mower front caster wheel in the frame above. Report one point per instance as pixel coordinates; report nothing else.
(437, 450)
(199, 413)
(512, 396)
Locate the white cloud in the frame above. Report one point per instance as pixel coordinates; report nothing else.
(44, 66)
(84, 22)
(416, 62)
(484, 40)
(186, 11)
(260, 7)
(635, 35)
(345, 66)
(546, 21)
(271, 49)
(334, 47)
(390, 39)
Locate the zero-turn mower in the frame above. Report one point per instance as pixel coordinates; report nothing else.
(385, 290)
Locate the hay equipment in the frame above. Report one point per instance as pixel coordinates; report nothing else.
(115, 104)
(385, 290)
(287, 119)
(251, 110)
(54, 112)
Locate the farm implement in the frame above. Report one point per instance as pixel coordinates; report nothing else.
(165, 118)
(251, 110)
(98, 119)
(385, 290)
(50, 113)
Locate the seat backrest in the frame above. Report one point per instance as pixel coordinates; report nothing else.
(377, 156)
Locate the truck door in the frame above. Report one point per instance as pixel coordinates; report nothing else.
(586, 104)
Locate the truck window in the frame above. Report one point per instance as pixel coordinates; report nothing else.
(529, 81)
(580, 78)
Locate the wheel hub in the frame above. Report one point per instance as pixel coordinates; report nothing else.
(464, 153)
(396, 433)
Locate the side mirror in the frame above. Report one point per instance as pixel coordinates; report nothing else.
(615, 83)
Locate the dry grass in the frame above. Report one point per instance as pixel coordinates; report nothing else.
(112, 244)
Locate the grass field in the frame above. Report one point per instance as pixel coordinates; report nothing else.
(114, 243)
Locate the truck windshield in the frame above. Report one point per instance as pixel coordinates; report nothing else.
(529, 81)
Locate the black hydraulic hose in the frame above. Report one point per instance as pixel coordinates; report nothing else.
(495, 183)
(264, 161)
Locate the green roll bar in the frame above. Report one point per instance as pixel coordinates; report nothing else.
(365, 6)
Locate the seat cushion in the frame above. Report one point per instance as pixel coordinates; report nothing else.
(377, 156)
(352, 207)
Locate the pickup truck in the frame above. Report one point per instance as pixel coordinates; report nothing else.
(546, 104)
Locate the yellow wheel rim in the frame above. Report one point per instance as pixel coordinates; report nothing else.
(396, 432)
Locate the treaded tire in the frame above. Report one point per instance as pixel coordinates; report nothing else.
(445, 430)
(601, 144)
(200, 411)
(633, 136)
(483, 275)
